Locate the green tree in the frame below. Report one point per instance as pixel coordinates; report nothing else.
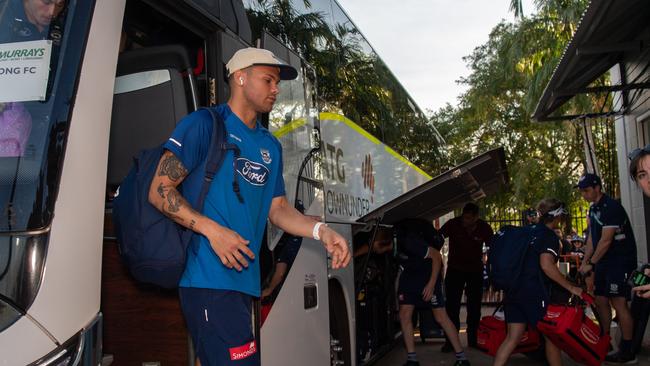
(352, 79)
(507, 77)
(302, 32)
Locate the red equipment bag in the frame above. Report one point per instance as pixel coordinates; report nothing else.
(573, 332)
(492, 332)
(264, 312)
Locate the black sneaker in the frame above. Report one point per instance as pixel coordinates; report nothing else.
(621, 358)
(412, 363)
(446, 348)
(462, 363)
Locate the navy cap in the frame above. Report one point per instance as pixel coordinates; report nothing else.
(588, 180)
(577, 238)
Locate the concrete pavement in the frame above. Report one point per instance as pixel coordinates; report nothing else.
(429, 353)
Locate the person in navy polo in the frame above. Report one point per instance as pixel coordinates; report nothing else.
(222, 274)
(610, 252)
(530, 216)
(525, 305)
(29, 20)
(420, 284)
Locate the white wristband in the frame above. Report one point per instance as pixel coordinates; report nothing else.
(314, 232)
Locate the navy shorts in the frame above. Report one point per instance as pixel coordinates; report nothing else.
(219, 322)
(611, 281)
(407, 295)
(524, 312)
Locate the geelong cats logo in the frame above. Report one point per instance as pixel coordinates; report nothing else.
(255, 173)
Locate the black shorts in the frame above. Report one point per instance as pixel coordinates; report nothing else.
(219, 322)
(611, 281)
(524, 312)
(410, 295)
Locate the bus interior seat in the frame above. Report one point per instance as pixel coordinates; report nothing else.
(150, 97)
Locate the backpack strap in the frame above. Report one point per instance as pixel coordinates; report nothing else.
(216, 154)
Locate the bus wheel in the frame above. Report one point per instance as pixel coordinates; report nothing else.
(340, 352)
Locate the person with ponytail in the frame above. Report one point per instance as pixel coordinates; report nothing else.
(526, 304)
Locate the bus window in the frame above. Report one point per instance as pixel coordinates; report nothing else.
(30, 20)
(32, 36)
(27, 31)
(15, 125)
(41, 47)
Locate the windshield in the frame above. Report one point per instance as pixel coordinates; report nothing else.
(41, 43)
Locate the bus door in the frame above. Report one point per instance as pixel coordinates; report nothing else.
(164, 72)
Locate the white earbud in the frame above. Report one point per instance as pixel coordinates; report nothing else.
(241, 81)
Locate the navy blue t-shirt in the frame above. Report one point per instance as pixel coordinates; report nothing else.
(15, 27)
(259, 172)
(533, 285)
(609, 213)
(414, 239)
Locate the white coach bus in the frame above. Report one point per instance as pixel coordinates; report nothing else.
(87, 86)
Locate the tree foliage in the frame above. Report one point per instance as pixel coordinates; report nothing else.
(507, 77)
(352, 79)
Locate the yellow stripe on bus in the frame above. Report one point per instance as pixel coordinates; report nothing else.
(289, 127)
(352, 125)
(373, 139)
(405, 161)
(325, 116)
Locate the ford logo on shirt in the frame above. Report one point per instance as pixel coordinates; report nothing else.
(255, 173)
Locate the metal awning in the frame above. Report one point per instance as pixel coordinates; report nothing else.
(480, 177)
(608, 33)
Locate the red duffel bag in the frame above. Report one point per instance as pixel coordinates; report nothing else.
(492, 332)
(576, 334)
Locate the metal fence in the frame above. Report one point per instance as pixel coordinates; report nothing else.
(576, 221)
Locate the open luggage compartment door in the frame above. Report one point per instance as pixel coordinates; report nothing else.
(475, 179)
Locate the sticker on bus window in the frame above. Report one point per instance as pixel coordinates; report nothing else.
(24, 70)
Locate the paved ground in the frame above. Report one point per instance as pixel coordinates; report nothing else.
(429, 353)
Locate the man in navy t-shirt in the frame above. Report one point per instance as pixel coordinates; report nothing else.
(420, 284)
(28, 20)
(222, 274)
(611, 253)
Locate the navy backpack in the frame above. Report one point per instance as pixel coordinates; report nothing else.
(507, 254)
(152, 245)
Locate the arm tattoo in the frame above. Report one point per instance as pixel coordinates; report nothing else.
(173, 168)
(171, 209)
(175, 201)
(172, 202)
(161, 190)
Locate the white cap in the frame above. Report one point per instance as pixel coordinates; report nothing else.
(247, 57)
